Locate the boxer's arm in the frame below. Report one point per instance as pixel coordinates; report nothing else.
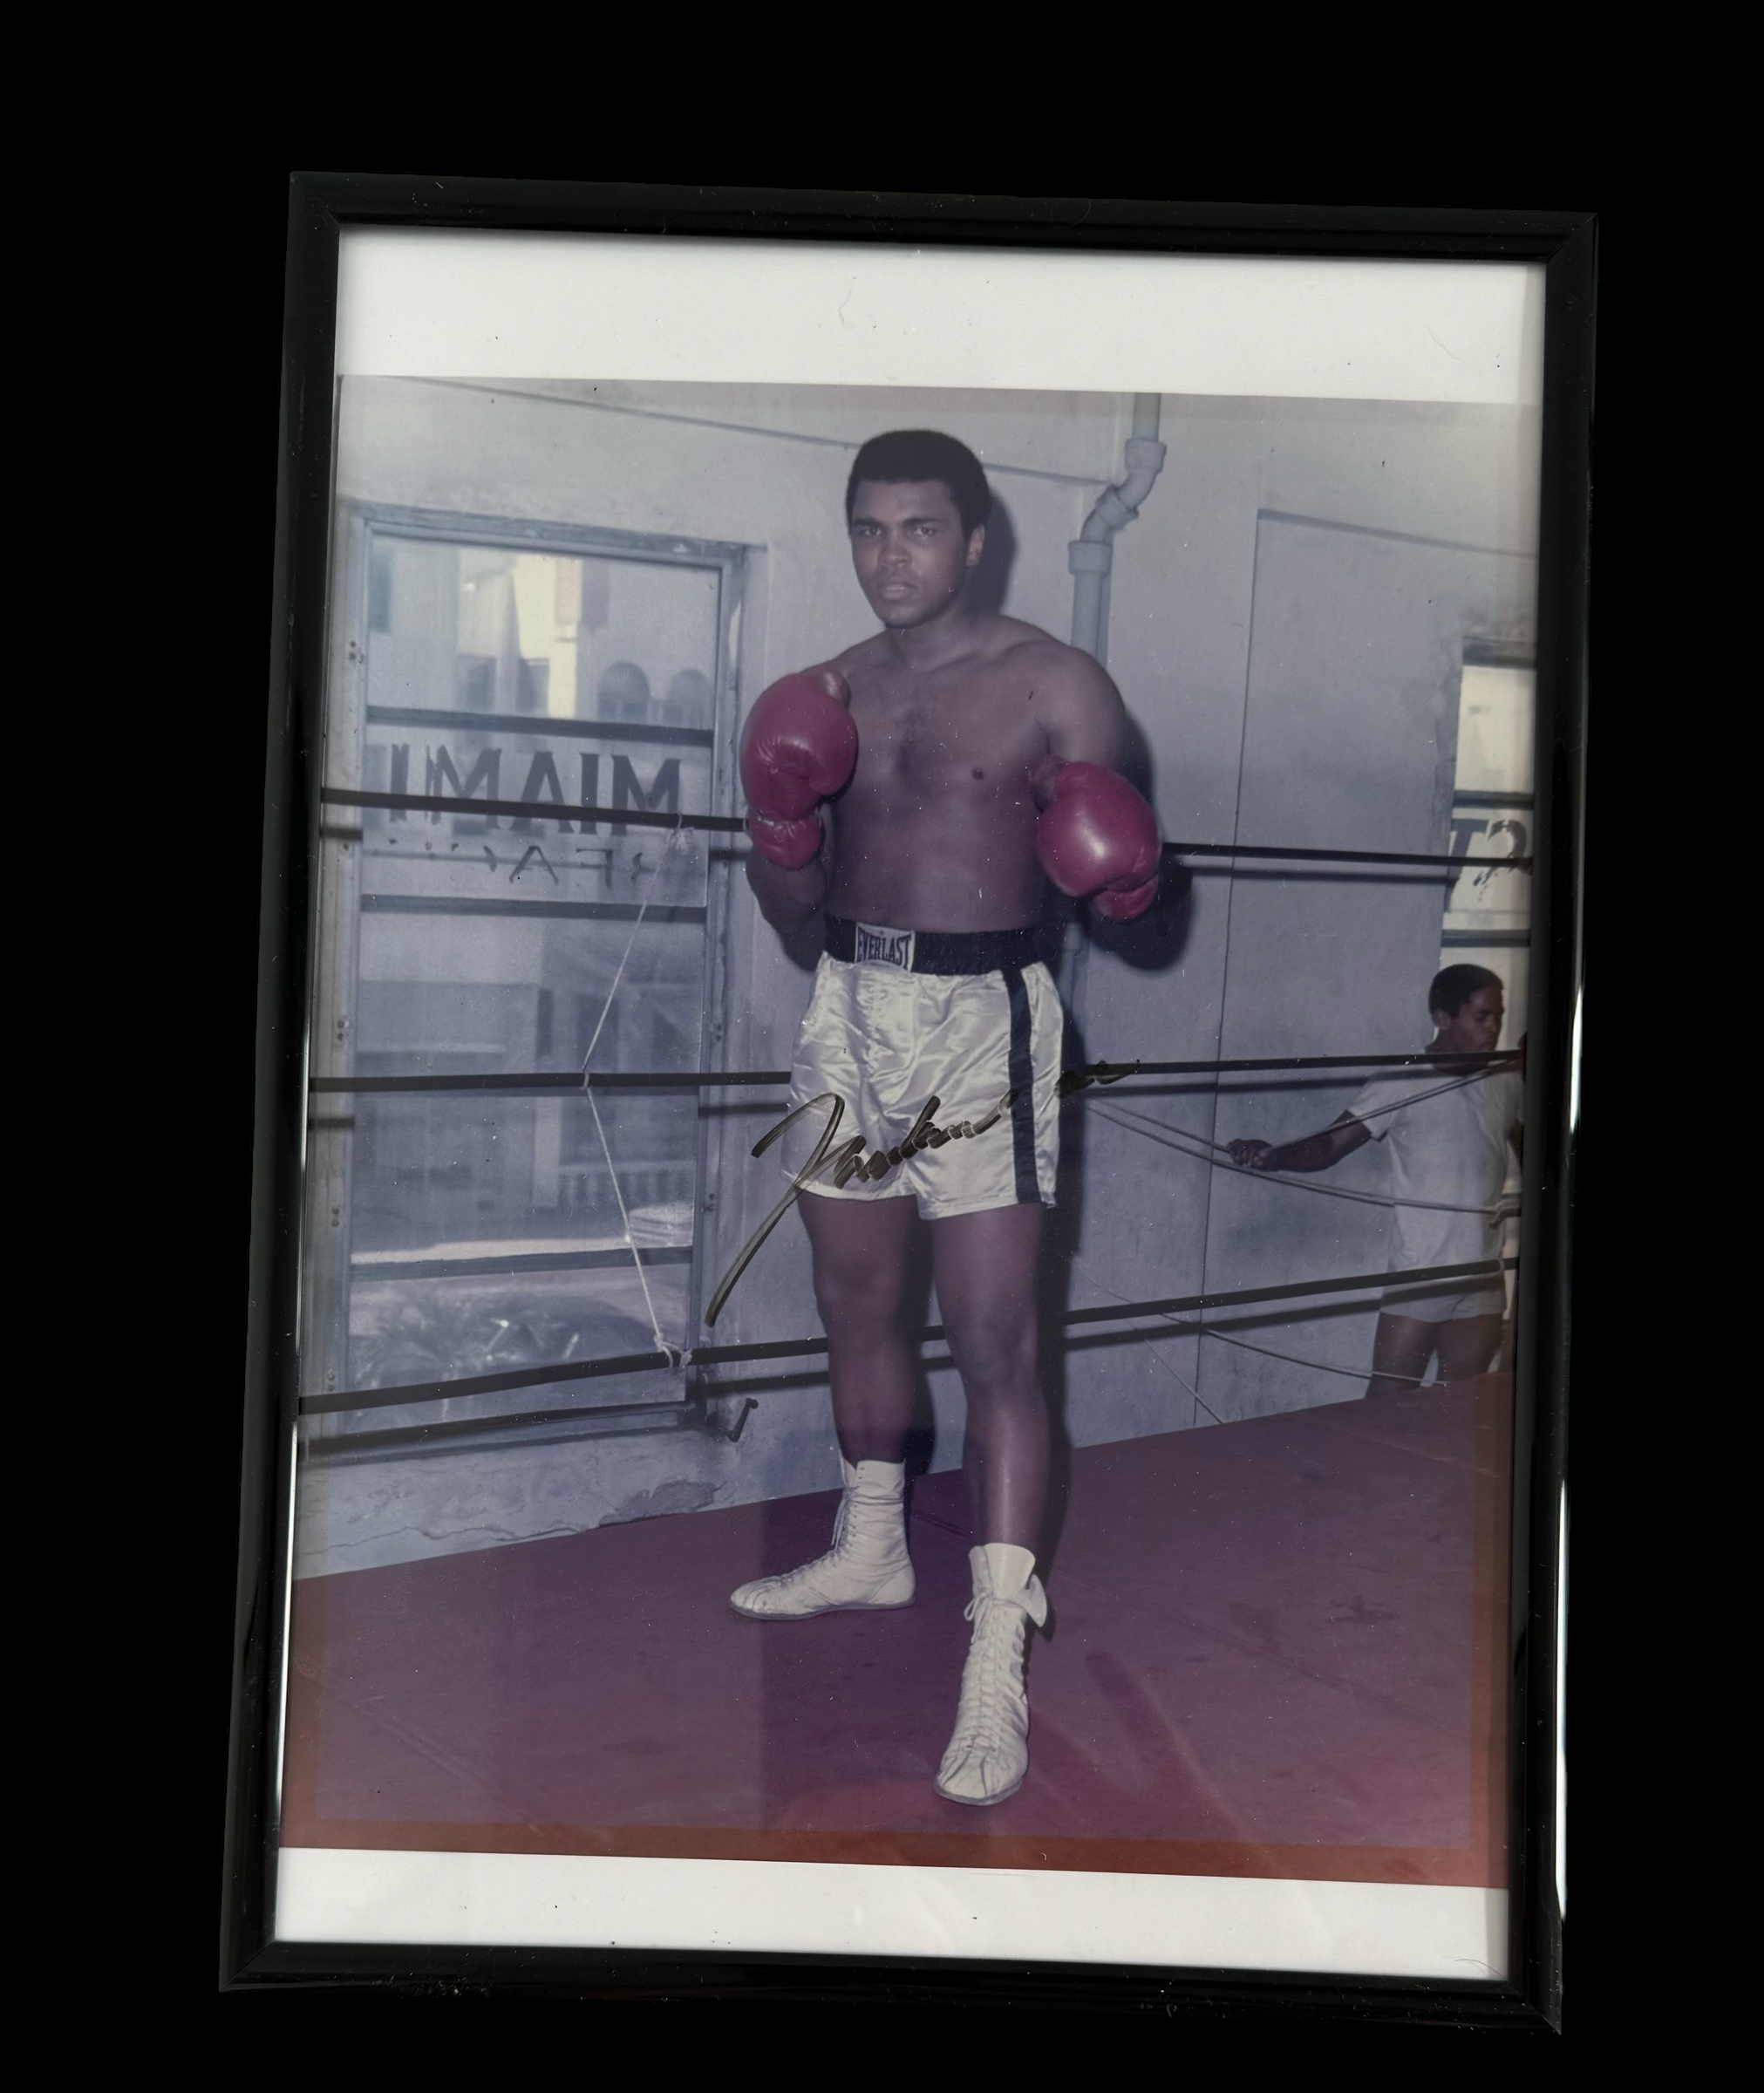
(1096, 835)
(1080, 711)
(787, 900)
(799, 747)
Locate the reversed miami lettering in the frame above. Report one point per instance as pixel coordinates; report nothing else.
(543, 790)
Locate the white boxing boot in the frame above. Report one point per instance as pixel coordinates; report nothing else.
(868, 1565)
(989, 1754)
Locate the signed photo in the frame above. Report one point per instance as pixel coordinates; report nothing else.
(915, 1126)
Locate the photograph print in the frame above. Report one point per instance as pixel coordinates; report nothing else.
(915, 1126)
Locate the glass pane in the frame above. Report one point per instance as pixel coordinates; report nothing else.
(1488, 909)
(1492, 797)
(490, 1231)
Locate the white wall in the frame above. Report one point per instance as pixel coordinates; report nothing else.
(1182, 616)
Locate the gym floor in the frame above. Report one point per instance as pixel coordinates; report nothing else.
(1276, 1649)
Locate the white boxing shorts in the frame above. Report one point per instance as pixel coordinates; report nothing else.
(1456, 1301)
(898, 1018)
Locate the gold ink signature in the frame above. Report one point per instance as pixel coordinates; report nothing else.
(849, 1160)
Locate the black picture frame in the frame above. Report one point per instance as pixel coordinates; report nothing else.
(322, 206)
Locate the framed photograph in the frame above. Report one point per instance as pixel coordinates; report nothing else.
(918, 1089)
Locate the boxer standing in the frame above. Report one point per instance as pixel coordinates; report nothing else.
(915, 791)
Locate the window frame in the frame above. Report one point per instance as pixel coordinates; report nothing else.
(328, 1144)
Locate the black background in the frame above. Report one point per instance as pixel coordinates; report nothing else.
(213, 436)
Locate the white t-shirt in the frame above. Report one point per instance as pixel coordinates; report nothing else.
(1449, 1146)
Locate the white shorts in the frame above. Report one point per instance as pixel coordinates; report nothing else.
(1457, 1301)
(886, 1041)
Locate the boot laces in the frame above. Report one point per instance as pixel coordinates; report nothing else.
(981, 1719)
(792, 1580)
(788, 1581)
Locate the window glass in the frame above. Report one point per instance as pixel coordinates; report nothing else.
(492, 1229)
(1488, 909)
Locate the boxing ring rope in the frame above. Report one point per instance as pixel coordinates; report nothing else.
(672, 1359)
(561, 1079)
(730, 824)
(1074, 1259)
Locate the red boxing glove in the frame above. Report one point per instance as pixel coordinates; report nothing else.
(790, 844)
(800, 745)
(1099, 837)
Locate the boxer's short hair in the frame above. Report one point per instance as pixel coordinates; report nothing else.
(925, 454)
(1454, 985)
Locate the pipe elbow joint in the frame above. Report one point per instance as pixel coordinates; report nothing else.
(1091, 554)
(1115, 508)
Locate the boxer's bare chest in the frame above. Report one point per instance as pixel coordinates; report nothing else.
(967, 734)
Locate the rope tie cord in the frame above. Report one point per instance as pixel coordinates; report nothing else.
(1182, 1328)
(1168, 1136)
(1173, 1137)
(676, 1357)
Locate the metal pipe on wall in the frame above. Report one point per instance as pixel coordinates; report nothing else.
(1091, 557)
(1091, 554)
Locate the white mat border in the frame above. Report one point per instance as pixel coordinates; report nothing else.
(797, 1907)
(441, 303)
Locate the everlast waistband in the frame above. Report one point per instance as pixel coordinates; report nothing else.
(931, 952)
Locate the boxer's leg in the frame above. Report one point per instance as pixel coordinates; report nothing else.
(1401, 1350)
(860, 1253)
(985, 1266)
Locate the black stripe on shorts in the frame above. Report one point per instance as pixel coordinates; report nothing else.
(1023, 1082)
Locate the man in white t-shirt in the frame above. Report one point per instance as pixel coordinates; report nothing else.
(1447, 1119)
